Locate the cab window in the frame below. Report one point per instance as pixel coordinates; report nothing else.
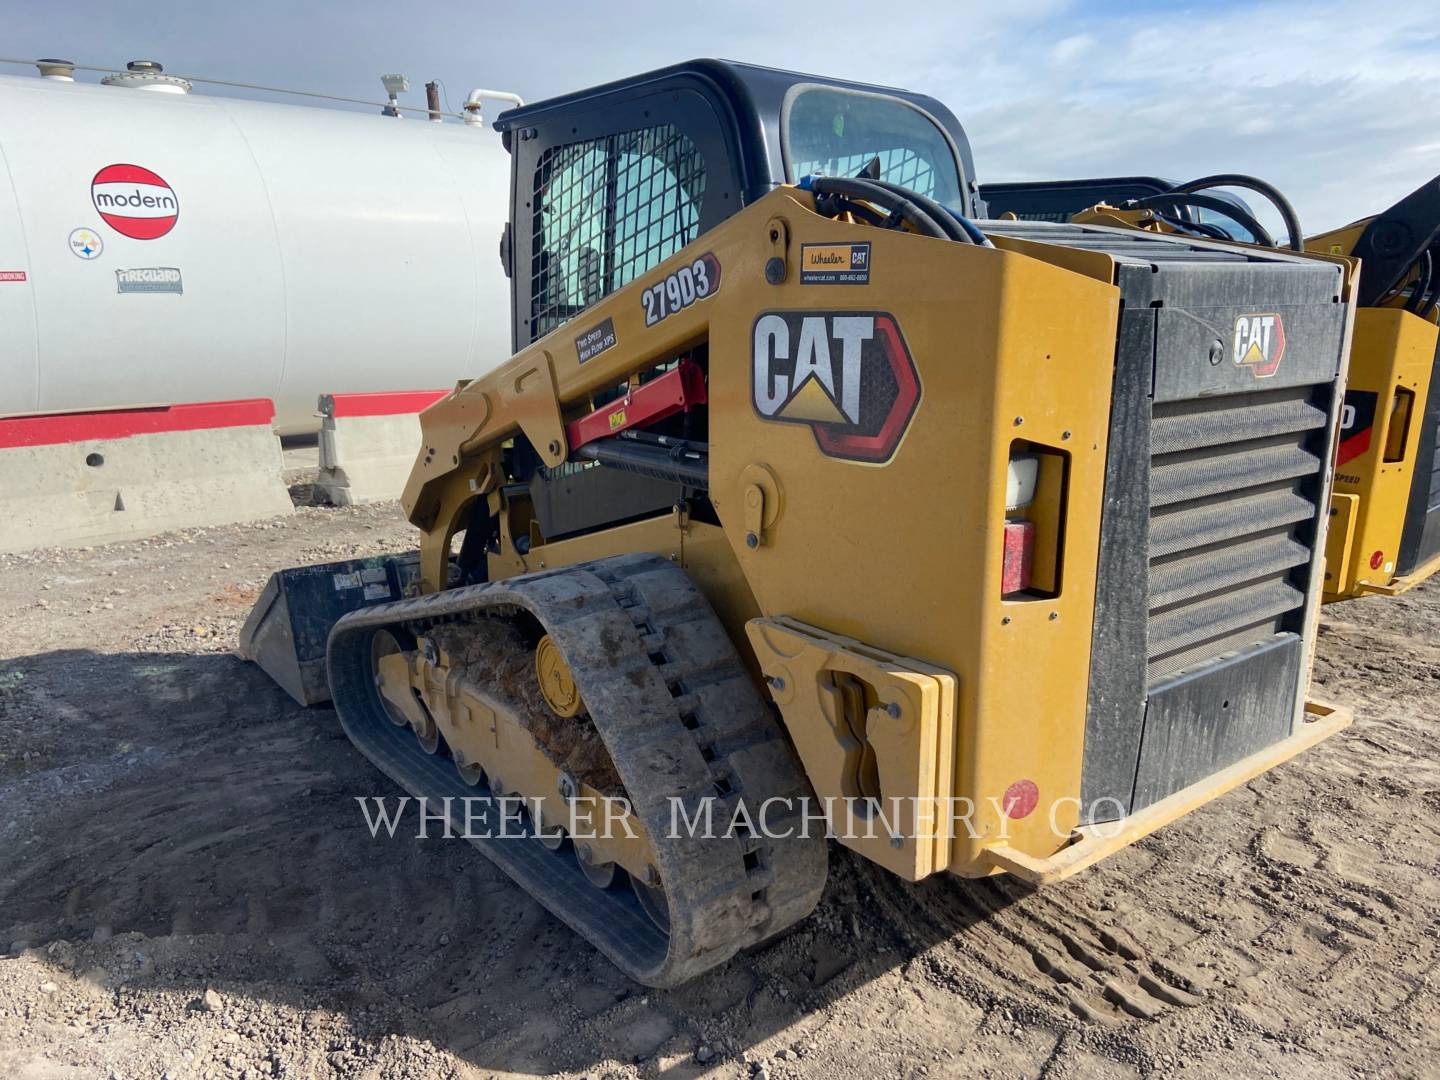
(831, 132)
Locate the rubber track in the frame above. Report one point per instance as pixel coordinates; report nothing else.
(682, 721)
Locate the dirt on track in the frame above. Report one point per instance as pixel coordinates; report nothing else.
(188, 888)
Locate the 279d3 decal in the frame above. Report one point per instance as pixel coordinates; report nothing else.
(679, 289)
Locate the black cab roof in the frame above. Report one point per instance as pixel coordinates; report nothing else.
(749, 99)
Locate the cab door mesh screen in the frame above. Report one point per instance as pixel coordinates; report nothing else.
(606, 211)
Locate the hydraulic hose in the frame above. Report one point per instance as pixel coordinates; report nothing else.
(1193, 228)
(901, 206)
(1260, 187)
(1207, 202)
(942, 213)
(1420, 296)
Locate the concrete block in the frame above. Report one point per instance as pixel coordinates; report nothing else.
(368, 443)
(76, 479)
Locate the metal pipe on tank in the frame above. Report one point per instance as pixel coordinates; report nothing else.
(148, 75)
(471, 108)
(58, 70)
(395, 85)
(432, 100)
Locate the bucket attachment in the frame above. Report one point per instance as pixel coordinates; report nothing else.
(290, 623)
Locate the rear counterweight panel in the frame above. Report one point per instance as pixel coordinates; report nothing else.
(1224, 406)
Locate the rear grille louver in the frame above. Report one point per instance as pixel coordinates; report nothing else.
(1215, 486)
(1233, 484)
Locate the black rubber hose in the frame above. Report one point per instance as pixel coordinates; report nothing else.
(950, 226)
(1420, 291)
(908, 211)
(1194, 228)
(959, 226)
(1260, 187)
(835, 205)
(1432, 294)
(1207, 202)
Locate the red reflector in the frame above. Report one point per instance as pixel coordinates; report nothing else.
(1377, 560)
(1019, 554)
(1020, 799)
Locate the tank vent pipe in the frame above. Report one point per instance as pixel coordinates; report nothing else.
(59, 70)
(148, 75)
(432, 100)
(471, 108)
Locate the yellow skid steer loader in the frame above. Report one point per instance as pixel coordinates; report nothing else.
(809, 504)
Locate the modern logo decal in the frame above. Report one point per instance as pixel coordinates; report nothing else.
(134, 201)
(849, 376)
(1259, 344)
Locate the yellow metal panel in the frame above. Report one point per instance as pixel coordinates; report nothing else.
(908, 730)
(1391, 356)
(658, 534)
(1095, 842)
(1007, 346)
(1339, 540)
(1404, 584)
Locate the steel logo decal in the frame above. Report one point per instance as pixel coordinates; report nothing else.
(86, 244)
(134, 201)
(1259, 343)
(849, 376)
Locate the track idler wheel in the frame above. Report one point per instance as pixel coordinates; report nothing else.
(382, 644)
(413, 714)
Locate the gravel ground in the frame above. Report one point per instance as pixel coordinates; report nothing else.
(187, 888)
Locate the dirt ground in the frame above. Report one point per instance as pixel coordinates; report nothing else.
(187, 888)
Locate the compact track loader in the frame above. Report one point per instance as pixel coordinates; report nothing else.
(1384, 533)
(810, 502)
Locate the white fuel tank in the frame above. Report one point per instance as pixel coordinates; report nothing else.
(171, 247)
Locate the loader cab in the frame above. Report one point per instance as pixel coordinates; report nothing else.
(608, 182)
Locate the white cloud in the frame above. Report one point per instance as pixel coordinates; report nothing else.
(1072, 48)
(1331, 100)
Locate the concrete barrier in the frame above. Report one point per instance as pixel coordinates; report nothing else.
(72, 479)
(368, 443)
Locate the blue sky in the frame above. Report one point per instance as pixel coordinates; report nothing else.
(1332, 100)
